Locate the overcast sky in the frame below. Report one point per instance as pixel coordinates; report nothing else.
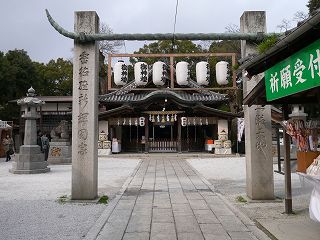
(24, 25)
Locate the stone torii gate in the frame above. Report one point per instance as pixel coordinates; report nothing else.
(85, 96)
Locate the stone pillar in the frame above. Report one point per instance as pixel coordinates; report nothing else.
(85, 110)
(30, 158)
(258, 136)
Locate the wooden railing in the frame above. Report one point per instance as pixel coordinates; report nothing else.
(163, 145)
(192, 145)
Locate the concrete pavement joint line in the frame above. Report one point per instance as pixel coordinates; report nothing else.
(154, 187)
(146, 169)
(102, 220)
(203, 179)
(265, 231)
(187, 198)
(174, 219)
(245, 219)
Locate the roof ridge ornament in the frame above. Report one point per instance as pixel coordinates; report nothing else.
(30, 99)
(31, 92)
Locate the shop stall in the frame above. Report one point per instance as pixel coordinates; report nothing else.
(288, 76)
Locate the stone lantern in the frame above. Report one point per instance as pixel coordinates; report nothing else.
(30, 158)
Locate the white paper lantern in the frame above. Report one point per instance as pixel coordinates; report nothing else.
(203, 73)
(222, 72)
(120, 70)
(159, 73)
(183, 121)
(182, 73)
(141, 73)
(142, 121)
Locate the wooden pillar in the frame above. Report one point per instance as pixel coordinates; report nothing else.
(108, 85)
(146, 134)
(278, 150)
(171, 73)
(179, 135)
(287, 167)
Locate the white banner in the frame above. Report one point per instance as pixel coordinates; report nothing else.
(240, 128)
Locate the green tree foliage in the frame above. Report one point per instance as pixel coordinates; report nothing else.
(313, 5)
(226, 46)
(267, 43)
(18, 72)
(167, 46)
(55, 77)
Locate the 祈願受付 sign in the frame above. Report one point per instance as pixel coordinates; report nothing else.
(299, 72)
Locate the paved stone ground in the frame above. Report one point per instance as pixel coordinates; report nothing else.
(167, 199)
(269, 214)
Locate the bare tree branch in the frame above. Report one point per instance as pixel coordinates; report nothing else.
(285, 25)
(206, 44)
(109, 46)
(232, 28)
(300, 16)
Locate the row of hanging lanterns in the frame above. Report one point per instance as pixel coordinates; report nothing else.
(131, 121)
(163, 118)
(188, 121)
(159, 73)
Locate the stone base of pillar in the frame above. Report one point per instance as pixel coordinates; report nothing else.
(222, 151)
(35, 171)
(59, 152)
(104, 152)
(30, 160)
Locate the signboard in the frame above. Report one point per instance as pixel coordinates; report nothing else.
(297, 73)
(3, 124)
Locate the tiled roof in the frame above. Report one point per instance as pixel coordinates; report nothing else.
(178, 95)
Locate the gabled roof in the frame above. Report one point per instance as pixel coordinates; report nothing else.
(179, 96)
(197, 108)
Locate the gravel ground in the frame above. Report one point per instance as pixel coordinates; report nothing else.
(29, 208)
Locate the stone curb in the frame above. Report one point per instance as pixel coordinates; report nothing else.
(101, 221)
(251, 225)
(184, 155)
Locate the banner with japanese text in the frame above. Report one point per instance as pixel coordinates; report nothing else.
(297, 73)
